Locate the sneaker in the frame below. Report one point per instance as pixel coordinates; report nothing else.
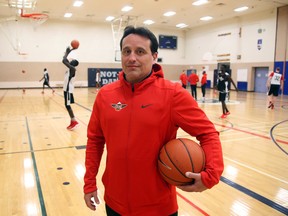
(73, 125)
(271, 105)
(227, 113)
(223, 116)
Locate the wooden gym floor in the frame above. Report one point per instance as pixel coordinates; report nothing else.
(42, 163)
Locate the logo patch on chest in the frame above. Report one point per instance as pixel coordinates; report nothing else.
(119, 106)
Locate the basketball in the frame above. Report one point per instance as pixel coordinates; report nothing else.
(75, 44)
(179, 156)
(23, 71)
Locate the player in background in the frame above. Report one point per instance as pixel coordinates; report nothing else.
(46, 80)
(222, 86)
(183, 78)
(274, 83)
(68, 86)
(98, 79)
(203, 84)
(193, 79)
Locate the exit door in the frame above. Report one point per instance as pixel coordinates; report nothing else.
(261, 76)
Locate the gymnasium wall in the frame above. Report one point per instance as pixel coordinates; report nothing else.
(236, 39)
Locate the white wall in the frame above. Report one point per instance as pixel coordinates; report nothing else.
(48, 42)
(205, 39)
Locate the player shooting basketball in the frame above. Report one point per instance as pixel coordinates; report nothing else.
(68, 86)
(134, 117)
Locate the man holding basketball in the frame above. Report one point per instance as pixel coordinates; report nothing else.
(135, 116)
(68, 86)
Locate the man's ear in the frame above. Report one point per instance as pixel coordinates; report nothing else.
(155, 55)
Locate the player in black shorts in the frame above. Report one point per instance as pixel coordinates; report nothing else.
(46, 80)
(68, 86)
(222, 86)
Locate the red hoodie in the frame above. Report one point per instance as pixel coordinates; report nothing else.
(135, 121)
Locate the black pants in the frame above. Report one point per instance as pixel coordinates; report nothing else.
(203, 89)
(111, 212)
(194, 91)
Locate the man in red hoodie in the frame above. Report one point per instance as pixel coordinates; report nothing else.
(183, 78)
(193, 79)
(203, 85)
(133, 118)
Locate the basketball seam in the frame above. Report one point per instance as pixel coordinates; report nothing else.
(191, 161)
(173, 162)
(180, 182)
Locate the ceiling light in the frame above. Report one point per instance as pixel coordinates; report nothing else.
(206, 18)
(148, 22)
(241, 9)
(110, 18)
(78, 3)
(22, 4)
(68, 15)
(169, 13)
(181, 25)
(126, 8)
(200, 2)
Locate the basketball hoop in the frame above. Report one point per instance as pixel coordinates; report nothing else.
(36, 18)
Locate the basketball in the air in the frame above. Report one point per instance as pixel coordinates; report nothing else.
(179, 156)
(75, 44)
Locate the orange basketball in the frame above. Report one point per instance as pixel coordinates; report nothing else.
(179, 156)
(75, 44)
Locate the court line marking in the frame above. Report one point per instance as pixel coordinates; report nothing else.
(192, 204)
(275, 140)
(39, 189)
(251, 133)
(256, 170)
(256, 196)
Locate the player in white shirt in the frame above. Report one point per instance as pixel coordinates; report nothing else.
(46, 80)
(68, 86)
(274, 83)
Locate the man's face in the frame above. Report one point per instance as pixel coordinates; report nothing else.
(137, 58)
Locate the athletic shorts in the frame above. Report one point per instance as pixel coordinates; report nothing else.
(69, 98)
(274, 89)
(222, 96)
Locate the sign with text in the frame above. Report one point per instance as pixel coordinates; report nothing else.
(107, 75)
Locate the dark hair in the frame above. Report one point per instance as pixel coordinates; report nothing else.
(144, 32)
(74, 62)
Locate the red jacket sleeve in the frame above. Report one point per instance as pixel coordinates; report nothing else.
(188, 116)
(94, 150)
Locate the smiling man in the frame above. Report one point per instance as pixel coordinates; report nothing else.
(135, 116)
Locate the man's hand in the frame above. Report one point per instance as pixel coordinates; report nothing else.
(197, 186)
(91, 200)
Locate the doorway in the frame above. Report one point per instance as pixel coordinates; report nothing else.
(261, 76)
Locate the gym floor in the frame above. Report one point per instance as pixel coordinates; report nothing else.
(42, 163)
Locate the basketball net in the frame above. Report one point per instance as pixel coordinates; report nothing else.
(118, 25)
(35, 18)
